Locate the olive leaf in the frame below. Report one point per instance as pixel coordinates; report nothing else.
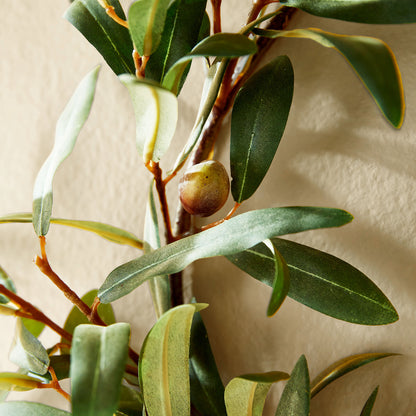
(156, 112)
(372, 60)
(245, 395)
(67, 129)
(368, 407)
(29, 409)
(232, 236)
(107, 231)
(258, 121)
(110, 39)
(374, 11)
(7, 283)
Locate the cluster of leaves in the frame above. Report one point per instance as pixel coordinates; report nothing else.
(176, 373)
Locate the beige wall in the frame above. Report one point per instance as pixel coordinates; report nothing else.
(337, 151)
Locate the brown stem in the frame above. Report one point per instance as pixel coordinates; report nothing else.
(35, 314)
(216, 11)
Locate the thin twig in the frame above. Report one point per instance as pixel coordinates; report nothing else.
(216, 11)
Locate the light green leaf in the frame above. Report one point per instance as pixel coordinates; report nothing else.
(342, 367)
(361, 11)
(17, 382)
(245, 395)
(34, 327)
(156, 111)
(146, 22)
(281, 282)
(232, 236)
(223, 45)
(323, 282)
(164, 363)
(7, 283)
(159, 285)
(27, 352)
(372, 60)
(295, 400)
(258, 121)
(98, 358)
(368, 407)
(109, 232)
(29, 409)
(207, 390)
(67, 129)
(180, 34)
(111, 40)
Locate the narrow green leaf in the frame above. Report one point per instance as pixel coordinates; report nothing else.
(246, 395)
(223, 45)
(164, 363)
(368, 407)
(207, 390)
(98, 358)
(258, 121)
(361, 11)
(322, 282)
(180, 34)
(27, 352)
(17, 382)
(7, 283)
(146, 22)
(29, 409)
(342, 367)
(295, 400)
(159, 285)
(281, 283)
(232, 236)
(156, 111)
(372, 60)
(109, 232)
(67, 129)
(111, 40)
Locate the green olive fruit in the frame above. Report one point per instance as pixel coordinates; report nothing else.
(204, 188)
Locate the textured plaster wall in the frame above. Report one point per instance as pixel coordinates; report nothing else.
(337, 151)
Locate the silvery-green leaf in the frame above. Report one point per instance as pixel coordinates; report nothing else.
(107, 231)
(159, 285)
(29, 409)
(368, 407)
(295, 400)
(98, 358)
(156, 112)
(232, 236)
(27, 352)
(7, 283)
(67, 129)
(245, 395)
(164, 363)
(372, 60)
(17, 382)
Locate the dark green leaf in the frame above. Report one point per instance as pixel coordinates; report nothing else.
(281, 283)
(146, 22)
(29, 409)
(207, 390)
(27, 352)
(67, 130)
(258, 121)
(372, 60)
(361, 11)
(7, 283)
(295, 400)
(109, 232)
(164, 363)
(17, 382)
(246, 395)
(342, 367)
(224, 45)
(156, 112)
(130, 402)
(98, 358)
(232, 236)
(368, 407)
(180, 35)
(322, 282)
(108, 37)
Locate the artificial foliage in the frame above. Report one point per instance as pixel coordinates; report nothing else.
(150, 48)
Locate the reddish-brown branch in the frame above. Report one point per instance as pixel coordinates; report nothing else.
(216, 11)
